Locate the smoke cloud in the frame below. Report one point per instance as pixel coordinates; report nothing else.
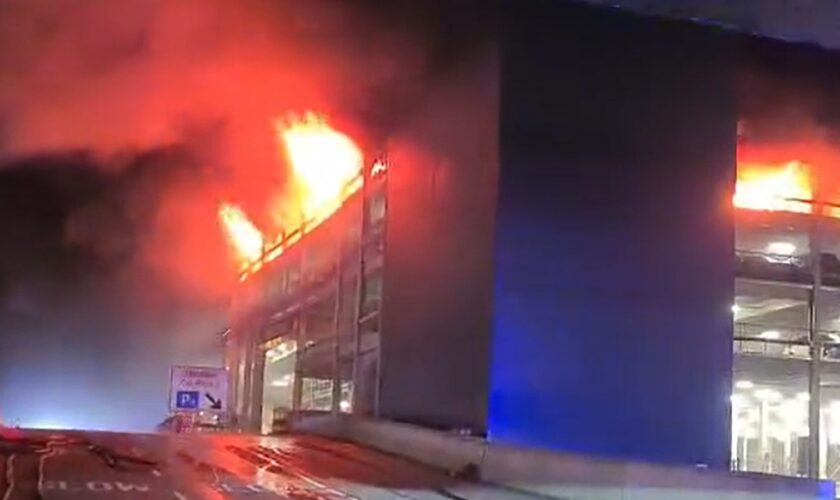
(122, 126)
(788, 107)
(201, 79)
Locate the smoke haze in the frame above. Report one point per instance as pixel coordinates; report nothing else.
(122, 126)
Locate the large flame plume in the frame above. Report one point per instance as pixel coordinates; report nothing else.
(325, 167)
(325, 163)
(786, 187)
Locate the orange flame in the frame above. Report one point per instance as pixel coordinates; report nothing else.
(326, 168)
(785, 187)
(325, 163)
(242, 234)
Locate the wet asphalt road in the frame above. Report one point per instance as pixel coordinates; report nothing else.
(82, 466)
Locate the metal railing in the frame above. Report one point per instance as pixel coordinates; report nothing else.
(786, 268)
(783, 341)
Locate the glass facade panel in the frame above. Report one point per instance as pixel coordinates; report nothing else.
(770, 415)
(830, 421)
(786, 380)
(316, 394)
(315, 330)
(278, 383)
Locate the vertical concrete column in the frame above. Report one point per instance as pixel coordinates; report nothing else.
(297, 387)
(815, 345)
(339, 280)
(360, 296)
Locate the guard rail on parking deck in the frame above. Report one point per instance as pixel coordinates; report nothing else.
(560, 475)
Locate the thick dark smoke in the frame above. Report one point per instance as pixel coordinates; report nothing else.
(786, 88)
(788, 105)
(122, 126)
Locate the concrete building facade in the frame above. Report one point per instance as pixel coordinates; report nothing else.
(552, 256)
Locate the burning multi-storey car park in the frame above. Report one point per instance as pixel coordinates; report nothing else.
(306, 320)
(595, 233)
(786, 383)
(373, 231)
(326, 316)
(304, 324)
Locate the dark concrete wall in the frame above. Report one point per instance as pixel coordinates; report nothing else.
(439, 255)
(614, 238)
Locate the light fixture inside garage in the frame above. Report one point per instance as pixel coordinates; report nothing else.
(784, 248)
(770, 335)
(744, 385)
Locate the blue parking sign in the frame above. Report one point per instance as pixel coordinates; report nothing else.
(196, 388)
(186, 400)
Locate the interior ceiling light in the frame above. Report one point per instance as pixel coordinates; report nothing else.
(744, 385)
(781, 248)
(770, 335)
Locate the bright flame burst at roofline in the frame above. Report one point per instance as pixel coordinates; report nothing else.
(326, 167)
(783, 187)
(324, 164)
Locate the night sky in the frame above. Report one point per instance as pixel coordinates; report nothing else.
(813, 21)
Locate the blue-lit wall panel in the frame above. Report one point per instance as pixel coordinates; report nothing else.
(614, 236)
